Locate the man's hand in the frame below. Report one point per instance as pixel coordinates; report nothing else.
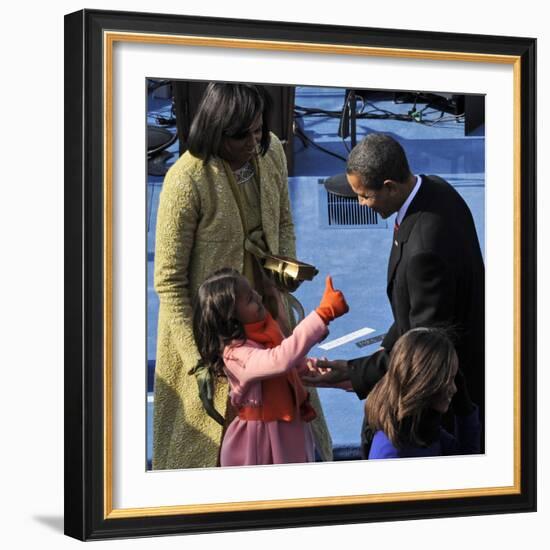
(327, 373)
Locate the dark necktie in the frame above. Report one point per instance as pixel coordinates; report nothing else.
(395, 230)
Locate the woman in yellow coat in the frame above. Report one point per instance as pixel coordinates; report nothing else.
(230, 184)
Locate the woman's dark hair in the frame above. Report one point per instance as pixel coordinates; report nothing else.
(215, 322)
(421, 366)
(228, 110)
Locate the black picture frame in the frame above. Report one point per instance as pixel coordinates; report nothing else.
(87, 512)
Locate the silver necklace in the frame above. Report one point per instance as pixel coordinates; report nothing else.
(244, 173)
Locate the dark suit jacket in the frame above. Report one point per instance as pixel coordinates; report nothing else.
(436, 277)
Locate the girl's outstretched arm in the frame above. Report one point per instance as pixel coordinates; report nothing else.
(250, 363)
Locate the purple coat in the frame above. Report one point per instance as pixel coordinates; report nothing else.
(465, 440)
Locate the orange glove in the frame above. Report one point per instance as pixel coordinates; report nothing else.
(333, 304)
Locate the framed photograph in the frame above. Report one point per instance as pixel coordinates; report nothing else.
(112, 62)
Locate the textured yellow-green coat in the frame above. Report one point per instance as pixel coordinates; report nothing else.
(199, 230)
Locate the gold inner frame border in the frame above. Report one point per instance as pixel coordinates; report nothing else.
(109, 40)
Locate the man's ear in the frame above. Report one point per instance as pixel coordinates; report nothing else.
(391, 185)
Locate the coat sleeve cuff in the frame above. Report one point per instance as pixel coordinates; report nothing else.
(365, 372)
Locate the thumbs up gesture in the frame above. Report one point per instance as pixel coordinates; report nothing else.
(333, 304)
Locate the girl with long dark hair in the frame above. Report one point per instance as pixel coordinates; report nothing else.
(238, 338)
(406, 405)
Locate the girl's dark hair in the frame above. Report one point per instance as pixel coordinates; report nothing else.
(227, 110)
(421, 366)
(214, 317)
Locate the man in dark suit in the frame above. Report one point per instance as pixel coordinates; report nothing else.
(436, 275)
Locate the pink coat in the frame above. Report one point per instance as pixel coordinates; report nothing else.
(256, 442)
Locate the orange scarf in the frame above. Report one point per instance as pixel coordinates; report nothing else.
(282, 395)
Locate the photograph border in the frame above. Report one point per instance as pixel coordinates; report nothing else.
(89, 39)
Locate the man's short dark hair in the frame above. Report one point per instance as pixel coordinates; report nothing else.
(227, 110)
(377, 158)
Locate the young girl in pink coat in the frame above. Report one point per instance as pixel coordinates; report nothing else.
(237, 338)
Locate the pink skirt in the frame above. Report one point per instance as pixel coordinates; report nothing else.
(254, 442)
